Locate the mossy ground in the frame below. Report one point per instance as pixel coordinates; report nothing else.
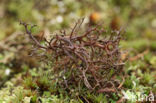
(25, 79)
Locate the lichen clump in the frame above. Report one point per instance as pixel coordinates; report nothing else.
(89, 58)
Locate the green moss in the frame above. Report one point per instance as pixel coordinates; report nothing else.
(37, 84)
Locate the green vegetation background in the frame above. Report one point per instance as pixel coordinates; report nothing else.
(138, 17)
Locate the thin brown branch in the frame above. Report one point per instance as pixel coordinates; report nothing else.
(30, 34)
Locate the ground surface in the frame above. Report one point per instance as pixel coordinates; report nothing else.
(25, 79)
